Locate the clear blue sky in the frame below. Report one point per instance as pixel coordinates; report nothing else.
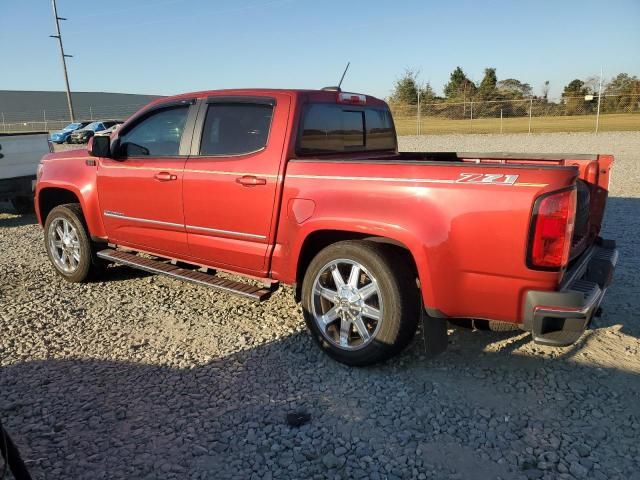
(172, 46)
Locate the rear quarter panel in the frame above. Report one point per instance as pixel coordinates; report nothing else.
(468, 239)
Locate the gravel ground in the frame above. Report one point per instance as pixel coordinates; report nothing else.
(143, 377)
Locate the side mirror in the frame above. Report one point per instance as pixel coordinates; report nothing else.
(99, 146)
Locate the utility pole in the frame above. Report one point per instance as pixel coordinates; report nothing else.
(418, 122)
(599, 98)
(63, 57)
(530, 110)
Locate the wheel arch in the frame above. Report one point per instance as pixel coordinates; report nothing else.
(317, 240)
(50, 196)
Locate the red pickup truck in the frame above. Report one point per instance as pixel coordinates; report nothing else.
(308, 188)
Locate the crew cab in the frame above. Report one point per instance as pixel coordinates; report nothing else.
(307, 188)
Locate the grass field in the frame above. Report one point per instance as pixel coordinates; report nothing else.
(575, 123)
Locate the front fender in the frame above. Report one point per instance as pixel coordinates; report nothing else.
(73, 175)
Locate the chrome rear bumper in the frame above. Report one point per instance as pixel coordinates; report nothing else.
(560, 318)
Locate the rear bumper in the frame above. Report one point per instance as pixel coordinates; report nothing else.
(560, 318)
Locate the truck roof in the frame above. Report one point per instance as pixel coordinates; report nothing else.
(315, 95)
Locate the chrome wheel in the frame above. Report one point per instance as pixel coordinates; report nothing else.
(64, 245)
(347, 304)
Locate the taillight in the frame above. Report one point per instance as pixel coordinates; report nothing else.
(551, 230)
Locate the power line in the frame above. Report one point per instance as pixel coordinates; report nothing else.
(63, 57)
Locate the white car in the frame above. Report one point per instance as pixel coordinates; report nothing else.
(109, 130)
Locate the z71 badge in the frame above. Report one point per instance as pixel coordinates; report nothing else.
(495, 178)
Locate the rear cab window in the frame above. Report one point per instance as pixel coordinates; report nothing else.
(330, 128)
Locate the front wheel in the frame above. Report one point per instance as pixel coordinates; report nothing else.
(360, 309)
(67, 243)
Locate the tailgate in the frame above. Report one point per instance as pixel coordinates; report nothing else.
(21, 154)
(592, 184)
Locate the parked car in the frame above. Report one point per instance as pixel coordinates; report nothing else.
(19, 158)
(307, 188)
(62, 136)
(84, 134)
(109, 130)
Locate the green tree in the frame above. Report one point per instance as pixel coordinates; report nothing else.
(405, 90)
(487, 88)
(511, 88)
(575, 88)
(573, 97)
(427, 95)
(622, 94)
(459, 86)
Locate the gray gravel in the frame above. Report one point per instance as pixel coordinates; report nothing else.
(145, 377)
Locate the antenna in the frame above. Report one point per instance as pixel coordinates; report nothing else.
(343, 74)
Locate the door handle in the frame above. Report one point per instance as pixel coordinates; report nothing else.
(165, 176)
(251, 180)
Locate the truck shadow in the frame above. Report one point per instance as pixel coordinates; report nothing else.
(139, 413)
(14, 219)
(73, 418)
(120, 273)
(622, 302)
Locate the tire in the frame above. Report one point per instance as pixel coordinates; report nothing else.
(396, 303)
(82, 267)
(22, 205)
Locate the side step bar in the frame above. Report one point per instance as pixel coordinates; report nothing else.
(257, 294)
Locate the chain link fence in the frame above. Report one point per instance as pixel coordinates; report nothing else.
(57, 119)
(528, 115)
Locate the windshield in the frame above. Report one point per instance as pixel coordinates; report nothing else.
(93, 126)
(72, 126)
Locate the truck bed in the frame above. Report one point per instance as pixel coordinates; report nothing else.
(20, 154)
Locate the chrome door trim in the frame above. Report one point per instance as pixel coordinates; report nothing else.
(122, 216)
(227, 232)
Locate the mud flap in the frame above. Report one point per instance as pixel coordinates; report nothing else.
(434, 333)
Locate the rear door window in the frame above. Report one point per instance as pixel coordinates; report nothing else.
(235, 128)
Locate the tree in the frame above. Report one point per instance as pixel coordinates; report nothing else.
(459, 86)
(405, 90)
(573, 97)
(512, 88)
(592, 84)
(487, 88)
(623, 84)
(575, 88)
(427, 94)
(622, 94)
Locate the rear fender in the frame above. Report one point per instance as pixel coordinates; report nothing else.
(287, 256)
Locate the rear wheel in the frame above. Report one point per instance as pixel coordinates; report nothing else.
(68, 244)
(359, 308)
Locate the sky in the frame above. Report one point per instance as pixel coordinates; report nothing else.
(171, 46)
